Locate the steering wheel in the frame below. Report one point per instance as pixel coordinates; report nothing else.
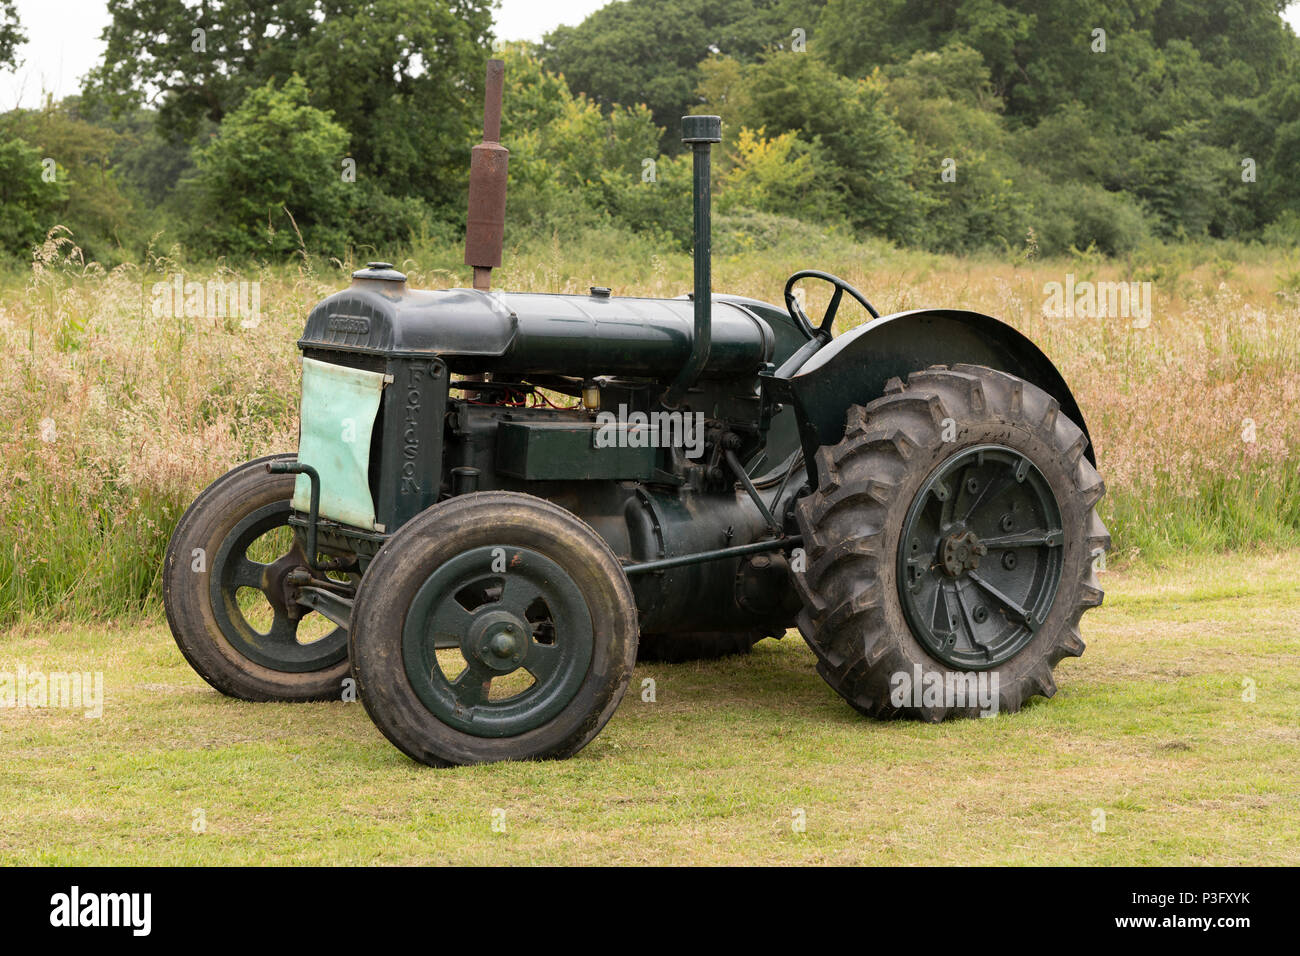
(822, 331)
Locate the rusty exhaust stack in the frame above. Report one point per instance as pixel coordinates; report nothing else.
(485, 229)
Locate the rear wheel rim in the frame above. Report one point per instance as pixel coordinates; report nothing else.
(504, 616)
(980, 557)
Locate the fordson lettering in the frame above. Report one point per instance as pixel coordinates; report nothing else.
(348, 324)
(411, 433)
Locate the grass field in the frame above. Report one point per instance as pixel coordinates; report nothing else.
(1149, 727)
(117, 417)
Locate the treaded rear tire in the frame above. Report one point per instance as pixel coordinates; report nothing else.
(852, 616)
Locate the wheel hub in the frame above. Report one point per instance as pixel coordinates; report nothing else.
(986, 501)
(498, 639)
(530, 618)
(961, 552)
(280, 582)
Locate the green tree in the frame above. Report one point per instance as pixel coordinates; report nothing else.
(148, 160)
(1193, 187)
(1079, 216)
(29, 203)
(92, 202)
(782, 175)
(964, 170)
(574, 164)
(649, 51)
(1043, 53)
(272, 171)
(12, 35)
(845, 120)
(1077, 144)
(403, 77)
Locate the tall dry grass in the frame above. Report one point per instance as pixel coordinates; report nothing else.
(115, 419)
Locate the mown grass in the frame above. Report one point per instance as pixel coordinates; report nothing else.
(115, 419)
(1149, 727)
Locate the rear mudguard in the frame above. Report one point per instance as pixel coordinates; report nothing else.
(854, 368)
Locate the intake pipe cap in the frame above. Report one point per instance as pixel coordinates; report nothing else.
(701, 129)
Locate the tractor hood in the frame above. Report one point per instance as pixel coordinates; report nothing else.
(575, 335)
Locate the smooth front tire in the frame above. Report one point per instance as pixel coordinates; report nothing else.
(238, 640)
(493, 626)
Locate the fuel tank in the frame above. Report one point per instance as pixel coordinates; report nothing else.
(506, 332)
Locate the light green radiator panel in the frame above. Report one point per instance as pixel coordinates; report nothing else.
(339, 406)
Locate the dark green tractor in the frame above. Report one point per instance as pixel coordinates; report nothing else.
(499, 499)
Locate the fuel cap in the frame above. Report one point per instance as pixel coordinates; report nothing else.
(383, 271)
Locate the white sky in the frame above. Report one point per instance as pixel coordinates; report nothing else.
(63, 40)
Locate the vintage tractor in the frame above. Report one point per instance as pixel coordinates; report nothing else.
(498, 497)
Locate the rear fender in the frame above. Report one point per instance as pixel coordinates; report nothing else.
(854, 368)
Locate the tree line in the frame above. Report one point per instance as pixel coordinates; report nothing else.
(255, 129)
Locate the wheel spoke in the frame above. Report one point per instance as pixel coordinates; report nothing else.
(542, 660)
(472, 687)
(969, 620)
(248, 573)
(518, 593)
(951, 615)
(1020, 613)
(283, 629)
(449, 623)
(945, 497)
(1037, 538)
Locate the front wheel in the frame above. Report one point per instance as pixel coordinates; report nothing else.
(950, 545)
(493, 626)
(224, 593)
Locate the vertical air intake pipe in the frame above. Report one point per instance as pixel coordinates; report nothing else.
(701, 132)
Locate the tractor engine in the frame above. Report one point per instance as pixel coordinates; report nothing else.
(413, 396)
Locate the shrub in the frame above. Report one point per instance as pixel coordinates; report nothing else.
(27, 203)
(784, 175)
(273, 170)
(1080, 215)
